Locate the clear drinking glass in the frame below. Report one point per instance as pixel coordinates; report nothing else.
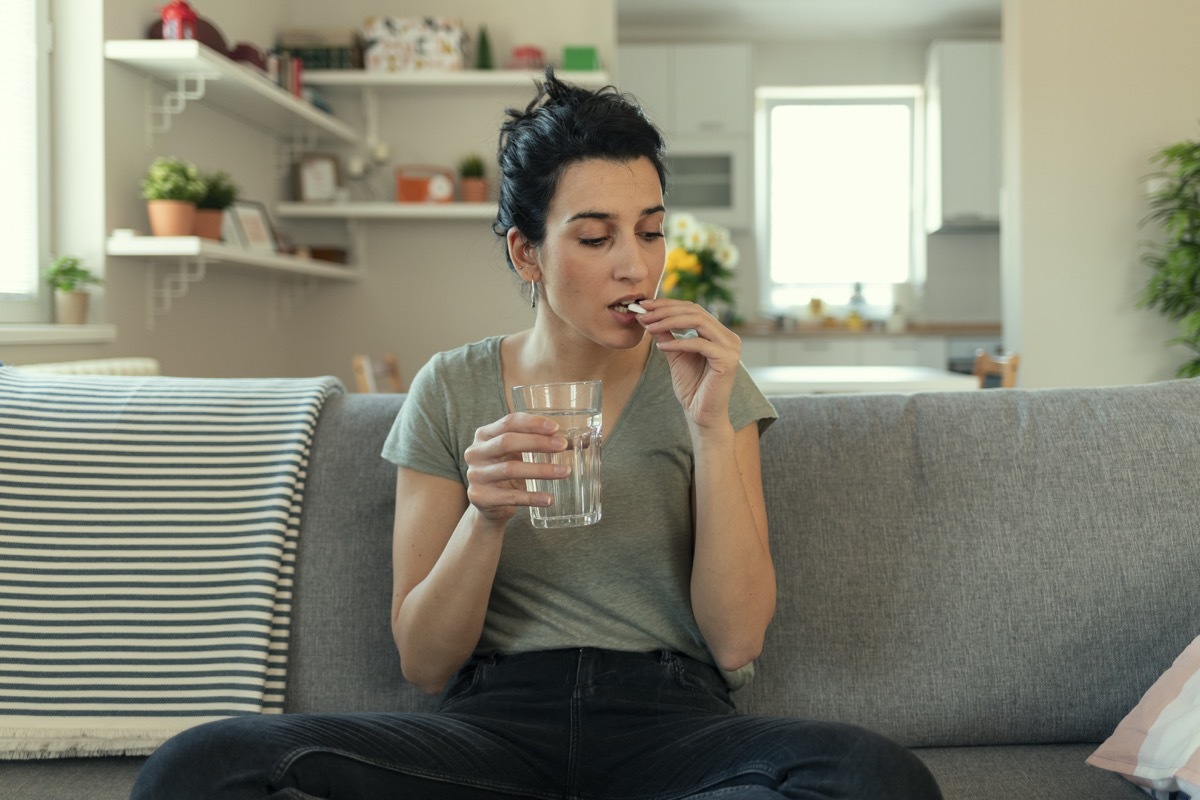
(575, 406)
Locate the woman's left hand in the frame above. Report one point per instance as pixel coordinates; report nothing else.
(703, 367)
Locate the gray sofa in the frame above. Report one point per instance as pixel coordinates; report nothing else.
(992, 578)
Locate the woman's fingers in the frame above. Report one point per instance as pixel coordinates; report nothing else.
(497, 470)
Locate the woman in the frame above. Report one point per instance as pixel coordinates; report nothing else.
(585, 662)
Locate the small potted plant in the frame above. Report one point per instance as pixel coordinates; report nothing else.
(219, 194)
(474, 185)
(70, 280)
(171, 188)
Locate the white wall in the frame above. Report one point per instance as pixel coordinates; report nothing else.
(1095, 88)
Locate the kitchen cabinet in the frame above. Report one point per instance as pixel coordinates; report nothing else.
(691, 89)
(702, 97)
(903, 351)
(963, 106)
(861, 349)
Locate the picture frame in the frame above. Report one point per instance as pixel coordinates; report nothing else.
(231, 234)
(252, 226)
(317, 177)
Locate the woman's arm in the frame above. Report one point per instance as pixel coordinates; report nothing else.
(733, 578)
(446, 544)
(444, 559)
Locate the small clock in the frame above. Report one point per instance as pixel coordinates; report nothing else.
(317, 177)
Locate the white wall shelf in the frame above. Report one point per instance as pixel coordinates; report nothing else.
(163, 247)
(192, 255)
(441, 79)
(202, 74)
(381, 210)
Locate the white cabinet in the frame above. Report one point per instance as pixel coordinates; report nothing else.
(692, 89)
(903, 351)
(702, 97)
(819, 351)
(831, 350)
(963, 132)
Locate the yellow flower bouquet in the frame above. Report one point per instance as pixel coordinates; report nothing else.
(700, 261)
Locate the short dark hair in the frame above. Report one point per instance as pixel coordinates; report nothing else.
(565, 124)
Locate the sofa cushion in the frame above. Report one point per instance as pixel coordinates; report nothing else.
(109, 778)
(1027, 772)
(997, 567)
(342, 654)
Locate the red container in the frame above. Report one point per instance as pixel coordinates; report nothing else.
(179, 21)
(421, 183)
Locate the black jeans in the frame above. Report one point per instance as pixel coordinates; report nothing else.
(594, 724)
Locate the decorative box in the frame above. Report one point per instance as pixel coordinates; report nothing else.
(392, 44)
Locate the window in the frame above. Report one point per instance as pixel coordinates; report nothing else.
(24, 60)
(838, 171)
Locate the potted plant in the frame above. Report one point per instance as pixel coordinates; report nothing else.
(171, 188)
(474, 185)
(219, 194)
(70, 281)
(1174, 288)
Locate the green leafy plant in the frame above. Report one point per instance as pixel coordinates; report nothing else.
(471, 166)
(67, 275)
(172, 179)
(1174, 288)
(219, 191)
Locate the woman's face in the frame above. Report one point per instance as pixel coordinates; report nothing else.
(604, 248)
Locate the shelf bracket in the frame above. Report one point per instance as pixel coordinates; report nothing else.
(174, 101)
(174, 286)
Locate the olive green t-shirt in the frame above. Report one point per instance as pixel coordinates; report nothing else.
(620, 584)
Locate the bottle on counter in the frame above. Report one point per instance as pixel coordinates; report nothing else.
(856, 316)
(896, 322)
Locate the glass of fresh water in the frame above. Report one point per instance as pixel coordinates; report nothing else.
(575, 406)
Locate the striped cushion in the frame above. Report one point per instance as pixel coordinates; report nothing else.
(147, 541)
(1157, 745)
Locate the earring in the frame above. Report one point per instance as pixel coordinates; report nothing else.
(533, 294)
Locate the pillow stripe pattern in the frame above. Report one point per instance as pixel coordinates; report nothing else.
(1157, 744)
(147, 546)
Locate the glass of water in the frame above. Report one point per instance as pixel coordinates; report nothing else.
(575, 406)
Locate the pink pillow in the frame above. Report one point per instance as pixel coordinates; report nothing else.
(1157, 745)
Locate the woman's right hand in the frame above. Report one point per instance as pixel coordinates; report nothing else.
(496, 472)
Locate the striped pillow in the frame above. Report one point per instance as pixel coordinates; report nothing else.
(1157, 745)
(147, 541)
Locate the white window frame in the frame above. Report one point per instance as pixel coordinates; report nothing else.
(35, 306)
(880, 297)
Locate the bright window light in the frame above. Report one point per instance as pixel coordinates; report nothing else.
(23, 62)
(839, 201)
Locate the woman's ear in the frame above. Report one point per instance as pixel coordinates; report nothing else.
(523, 256)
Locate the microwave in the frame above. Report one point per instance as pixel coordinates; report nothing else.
(711, 177)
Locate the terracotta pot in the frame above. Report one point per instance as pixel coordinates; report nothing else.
(171, 217)
(71, 308)
(208, 223)
(474, 190)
